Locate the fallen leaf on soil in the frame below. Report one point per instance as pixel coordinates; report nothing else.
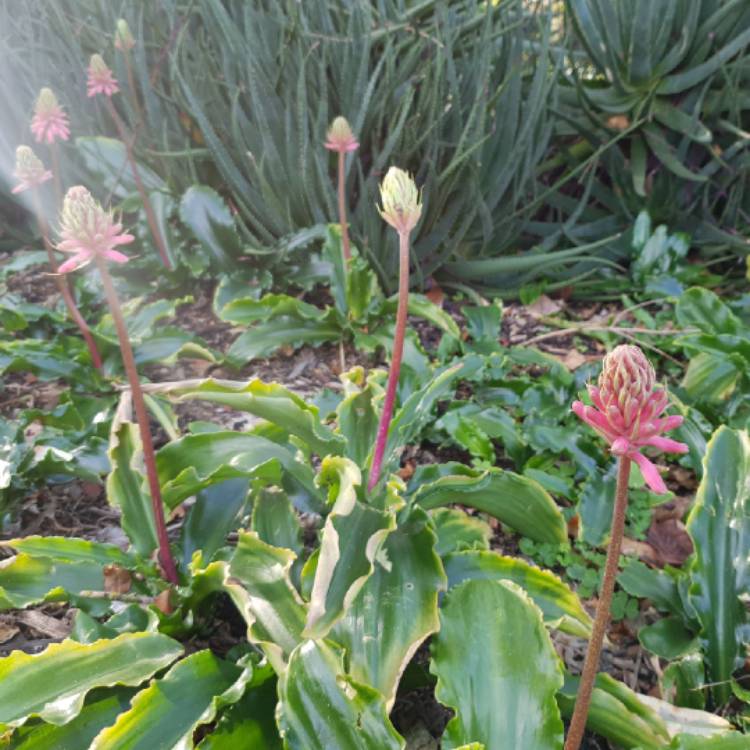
(677, 507)
(406, 471)
(573, 526)
(198, 367)
(436, 295)
(641, 550)
(44, 624)
(543, 306)
(670, 540)
(117, 580)
(7, 631)
(574, 359)
(685, 478)
(91, 490)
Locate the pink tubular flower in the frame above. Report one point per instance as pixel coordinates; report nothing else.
(30, 171)
(627, 411)
(101, 80)
(340, 137)
(49, 121)
(88, 231)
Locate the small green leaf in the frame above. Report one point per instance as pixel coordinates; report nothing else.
(668, 638)
(203, 210)
(457, 531)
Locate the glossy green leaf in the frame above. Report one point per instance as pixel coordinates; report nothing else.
(357, 417)
(560, 605)
(98, 713)
(260, 587)
(65, 549)
(275, 521)
(517, 501)
(421, 307)
(457, 531)
(703, 309)
(683, 681)
(212, 517)
(203, 210)
(169, 710)
(395, 610)
(321, 707)
(248, 723)
(190, 464)
(497, 669)
(269, 401)
(53, 684)
(712, 378)
(667, 638)
(656, 585)
(729, 741)
(719, 525)
(352, 539)
(126, 486)
(26, 580)
(616, 714)
(596, 503)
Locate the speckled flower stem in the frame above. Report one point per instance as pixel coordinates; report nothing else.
(591, 662)
(398, 351)
(342, 207)
(165, 554)
(147, 207)
(62, 285)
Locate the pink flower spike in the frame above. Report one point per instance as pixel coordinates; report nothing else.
(29, 171)
(101, 80)
(340, 137)
(626, 410)
(88, 231)
(49, 121)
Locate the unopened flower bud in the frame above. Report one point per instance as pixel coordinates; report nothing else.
(627, 379)
(123, 38)
(400, 197)
(340, 136)
(29, 170)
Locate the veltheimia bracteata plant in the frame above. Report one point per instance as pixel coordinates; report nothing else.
(90, 234)
(341, 139)
(627, 414)
(401, 209)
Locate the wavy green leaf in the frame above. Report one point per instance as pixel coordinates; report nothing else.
(53, 684)
(719, 525)
(396, 609)
(65, 549)
(98, 713)
(517, 501)
(322, 708)
(168, 711)
(203, 210)
(258, 582)
(497, 668)
(269, 401)
(356, 416)
(457, 531)
(26, 580)
(352, 539)
(561, 607)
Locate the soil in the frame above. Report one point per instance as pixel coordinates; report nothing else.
(80, 509)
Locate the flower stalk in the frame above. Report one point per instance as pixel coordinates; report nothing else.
(341, 139)
(401, 209)
(89, 233)
(125, 42)
(627, 413)
(101, 81)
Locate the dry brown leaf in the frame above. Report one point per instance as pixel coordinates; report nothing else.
(436, 295)
(574, 359)
(543, 305)
(618, 122)
(406, 471)
(670, 540)
(117, 580)
(198, 367)
(44, 624)
(641, 550)
(7, 631)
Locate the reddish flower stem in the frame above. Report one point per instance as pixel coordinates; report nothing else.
(342, 207)
(591, 662)
(165, 554)
(147, 207)
(398, 351)
(62, 285)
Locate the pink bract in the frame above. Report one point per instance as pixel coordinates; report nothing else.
(87, 231)
(49, 121)
(29, 171)
(627, 411)
(101, 80)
